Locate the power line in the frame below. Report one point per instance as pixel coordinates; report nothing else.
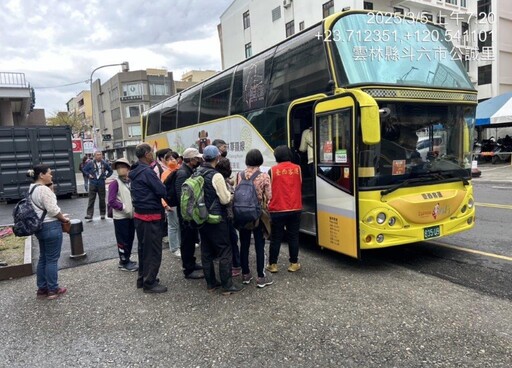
(64, 85)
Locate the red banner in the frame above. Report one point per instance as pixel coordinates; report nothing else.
(77, 145)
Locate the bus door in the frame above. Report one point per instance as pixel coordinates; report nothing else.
(336, 199)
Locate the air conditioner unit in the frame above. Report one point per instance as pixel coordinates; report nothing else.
(287, 3)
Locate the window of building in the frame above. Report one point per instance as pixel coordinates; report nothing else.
(116, 114)
(328, 8)
(463, 3)
(247, 20)
(248, 50)
(441, 20)
(301, 26)
(114, 94)
(276, 13)
(453, 2)
(134, 131)
(215, 97)
(484, 40)
(132, 89)
(368, 5)
(118, 134)
(290, 28)
(484, 8)
(132, 111)
(156, 89)
(428, 16)
(398, 10)
(485, 74)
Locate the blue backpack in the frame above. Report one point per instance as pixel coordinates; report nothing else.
(246, 206)
(26, 220)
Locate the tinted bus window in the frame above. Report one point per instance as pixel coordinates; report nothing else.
(271, 124)
(188, 107)
(169, 114)
(251, 82)
(300, 69)
(154, 122)
(215, 97)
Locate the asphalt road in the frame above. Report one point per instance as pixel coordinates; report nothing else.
(421, 305)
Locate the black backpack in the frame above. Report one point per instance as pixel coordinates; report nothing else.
(246, 206)
(26, 220)
(170, 183)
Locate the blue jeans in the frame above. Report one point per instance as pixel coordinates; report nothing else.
(50, 245)
(173, 229)
(86, 183)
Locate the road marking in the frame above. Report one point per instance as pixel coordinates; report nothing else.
(479, 252)
(494, 205)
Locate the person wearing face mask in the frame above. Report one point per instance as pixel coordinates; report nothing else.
(120, 203)
(189, 234)
(222, 146)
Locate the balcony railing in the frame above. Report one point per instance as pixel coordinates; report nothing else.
(13, 80)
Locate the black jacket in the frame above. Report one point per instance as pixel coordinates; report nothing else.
(183, 173)
(146, 189)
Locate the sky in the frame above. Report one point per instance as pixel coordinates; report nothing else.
(59, 42)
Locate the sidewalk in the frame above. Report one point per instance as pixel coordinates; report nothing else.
(500, 173)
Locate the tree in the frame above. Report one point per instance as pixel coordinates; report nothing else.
(77, 123)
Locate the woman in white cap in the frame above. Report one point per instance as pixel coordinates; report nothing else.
(120, 203)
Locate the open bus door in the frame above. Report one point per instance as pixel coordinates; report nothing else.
(338, 120)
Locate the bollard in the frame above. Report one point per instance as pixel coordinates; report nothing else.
(75, 237)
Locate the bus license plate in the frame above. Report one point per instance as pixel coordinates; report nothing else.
(431, 232)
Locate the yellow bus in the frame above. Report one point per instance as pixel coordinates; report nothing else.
(368, 88)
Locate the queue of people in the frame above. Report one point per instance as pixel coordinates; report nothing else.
(146, 193)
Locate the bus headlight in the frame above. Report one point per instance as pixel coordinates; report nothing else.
(379, 238)
(392, 221)
(471, 203)
(369, 220)
(381, 218)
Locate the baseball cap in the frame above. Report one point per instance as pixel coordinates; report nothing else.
(210, 152)
(191, 153)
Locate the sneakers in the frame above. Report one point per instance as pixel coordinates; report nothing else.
(232, 290)
(261, 282)
(236, 271)
(165, 239)
(157, 289)
(272, 268)
(177, 253)
(194, 275)
(128, 266)
(293, 267)
(54, 294)
(197, 245)
(246, 278)
(42, 293)
(88, 218)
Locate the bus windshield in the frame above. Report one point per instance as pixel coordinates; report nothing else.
(419, 141)
(376, 48)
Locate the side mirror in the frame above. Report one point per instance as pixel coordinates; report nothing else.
(370, 117)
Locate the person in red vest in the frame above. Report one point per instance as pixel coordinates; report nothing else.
(285, 207)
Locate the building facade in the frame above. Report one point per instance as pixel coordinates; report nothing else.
(118, 104)
(248, 27)
(494, 71)
(80, 108)
(17, 99)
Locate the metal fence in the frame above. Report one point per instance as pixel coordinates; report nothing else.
(14, 80)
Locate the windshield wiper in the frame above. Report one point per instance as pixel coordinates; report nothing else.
(440, 175)
(406, 183)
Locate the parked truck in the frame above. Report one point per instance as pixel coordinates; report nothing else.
(23, 147)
